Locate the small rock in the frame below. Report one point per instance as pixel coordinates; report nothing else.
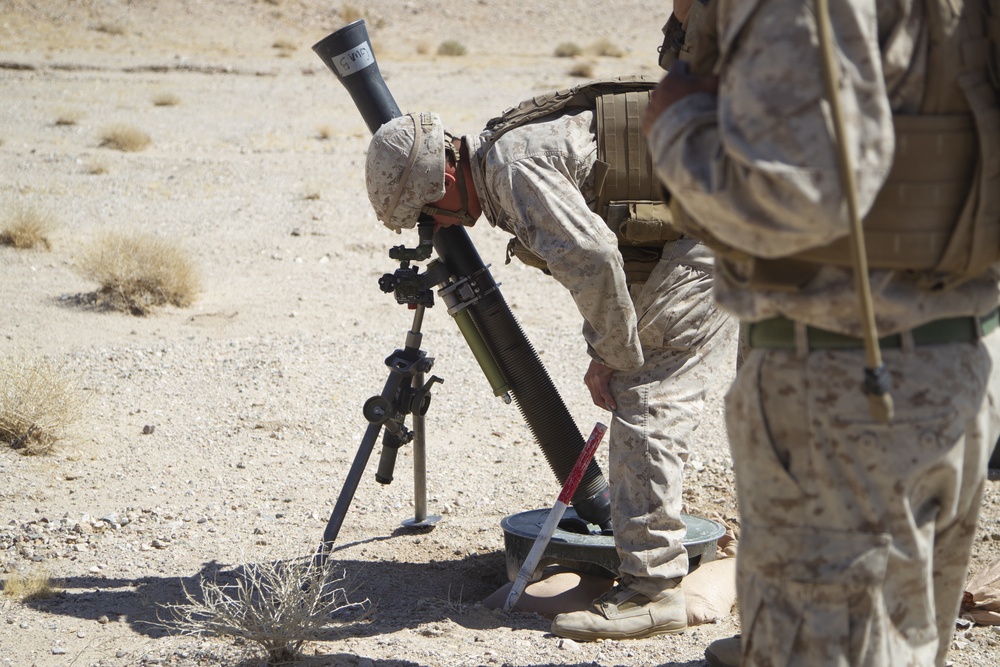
(148, 429)
(103, 620)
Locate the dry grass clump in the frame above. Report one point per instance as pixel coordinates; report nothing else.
(27, 227)
(285, 47)
(110, 28)
(38, 403)
(124, 138)
(604, 47)
(567, 50)
(138, 272)
(451, 47)
(68, 117)
(582, 70)
(35, 585)
(96, 167)
(278, 606)
(349, 13)
(166, 100)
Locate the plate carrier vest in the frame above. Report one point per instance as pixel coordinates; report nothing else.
(938, 214)
(629, 197)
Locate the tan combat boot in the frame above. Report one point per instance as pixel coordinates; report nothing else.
(622, 613)
(724, 652)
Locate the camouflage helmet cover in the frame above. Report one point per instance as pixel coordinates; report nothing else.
(404, 169)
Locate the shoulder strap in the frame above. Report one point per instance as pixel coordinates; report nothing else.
(583, 96)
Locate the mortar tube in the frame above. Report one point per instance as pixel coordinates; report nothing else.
(537, 397)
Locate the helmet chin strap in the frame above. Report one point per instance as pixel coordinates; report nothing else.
(462, 215)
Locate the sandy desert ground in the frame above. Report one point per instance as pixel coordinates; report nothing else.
(220, 434)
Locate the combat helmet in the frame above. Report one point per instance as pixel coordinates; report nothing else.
(404, 169)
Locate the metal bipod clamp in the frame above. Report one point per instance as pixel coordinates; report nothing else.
(412, 399)
(405, 392)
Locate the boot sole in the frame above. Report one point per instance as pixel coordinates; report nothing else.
(642, 634)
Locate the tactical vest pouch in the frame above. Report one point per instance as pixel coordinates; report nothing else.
(914, 214)
(975, 242)
(517, 249)
(629, 196)
(641, 223)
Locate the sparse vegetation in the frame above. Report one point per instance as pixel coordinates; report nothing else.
(567, 50)
(110, 28)
(37, 404)
(582, 70)
(324, 132)
(451, 47)
(277, 606)
(96, 167)
(605, 48)
(285, 47)
(27, 227)
(125, 138)
(35, 585)
(349, 13)
(69, 117)
(166, 100)
(137, 272)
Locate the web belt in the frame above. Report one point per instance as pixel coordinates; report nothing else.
(778, 333)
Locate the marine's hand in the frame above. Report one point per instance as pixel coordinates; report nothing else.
(597, 378)
(676, 85)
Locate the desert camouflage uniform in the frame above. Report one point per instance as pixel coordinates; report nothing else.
(856, 535)
(536, 182)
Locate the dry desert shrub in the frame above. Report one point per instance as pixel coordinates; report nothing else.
(349, 13)
(166, 100)
(96, 167)
(451, 47)
(567, 50)
(27, 227)
(138, 272)
(278, 606)
(35, 585)
(38, 403)
(125, 138)
(69, 117)
(582, 70)
(604, 47)
(110, 28)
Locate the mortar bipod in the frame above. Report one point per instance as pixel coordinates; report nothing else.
(389, 410)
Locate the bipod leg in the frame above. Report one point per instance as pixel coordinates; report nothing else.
(420, 518)
(400, 365)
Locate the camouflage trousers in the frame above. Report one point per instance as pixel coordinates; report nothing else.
(688, 344)
(855, 534)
